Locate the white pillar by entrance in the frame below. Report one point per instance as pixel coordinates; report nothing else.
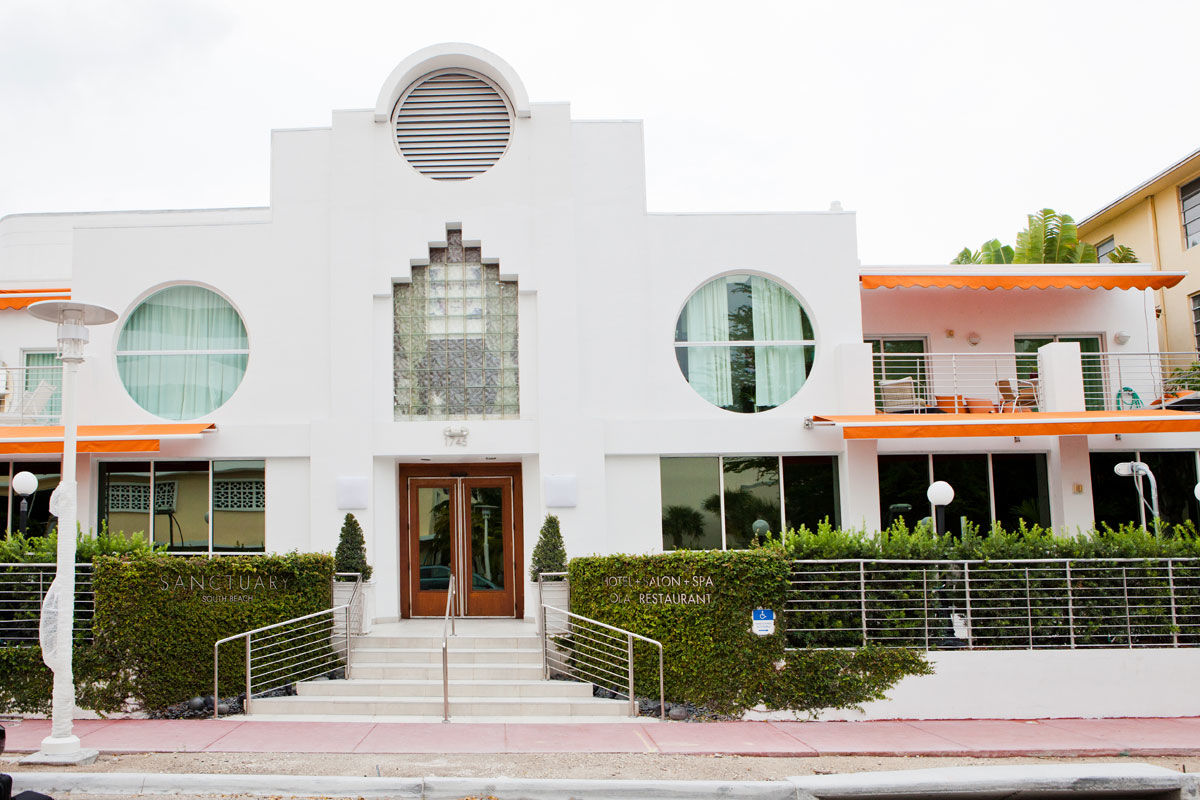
(1071, 486)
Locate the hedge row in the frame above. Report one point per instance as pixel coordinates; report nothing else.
(156, 620)
(699, 604)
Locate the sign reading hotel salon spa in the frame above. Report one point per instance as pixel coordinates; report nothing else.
(660, 590)
(223, 588)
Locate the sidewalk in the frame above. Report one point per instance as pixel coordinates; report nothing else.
(1178, 736)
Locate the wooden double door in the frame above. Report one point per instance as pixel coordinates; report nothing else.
(461, 526)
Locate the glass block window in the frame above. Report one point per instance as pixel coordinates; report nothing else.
(455, 338)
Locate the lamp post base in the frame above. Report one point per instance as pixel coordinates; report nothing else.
(62, 750)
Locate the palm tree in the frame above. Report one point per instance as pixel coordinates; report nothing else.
(1051, 238)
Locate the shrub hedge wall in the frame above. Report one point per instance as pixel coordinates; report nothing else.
(158, 617)
(699, 604)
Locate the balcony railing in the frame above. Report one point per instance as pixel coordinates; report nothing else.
(955, 382)
(988, 382)
(22, 589)
(30, 395)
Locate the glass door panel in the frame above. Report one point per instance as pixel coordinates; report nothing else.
(432, 545)
(488, 541)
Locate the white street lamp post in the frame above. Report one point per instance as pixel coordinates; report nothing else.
(1137, 470)
(58, 607)
(24, 484)
(940, 494)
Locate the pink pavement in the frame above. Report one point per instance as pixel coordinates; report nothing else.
(1176, 736)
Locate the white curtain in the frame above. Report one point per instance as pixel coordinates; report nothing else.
(778, 369)
(174, 352)
(707, 319)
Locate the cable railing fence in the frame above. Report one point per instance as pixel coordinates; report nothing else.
(615, 660)
(1117, 381)
(31, 395)
(955, 382)
(274, 658)
(22, 587)
(985, 605)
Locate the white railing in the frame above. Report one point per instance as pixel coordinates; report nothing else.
(589, 650)
(955, 382)
(279, 656)
(1115, 381)
(1012, 604)
(22, 587)
(30, 395)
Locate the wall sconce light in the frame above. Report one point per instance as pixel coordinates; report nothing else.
(973, 338)
(1121, 337)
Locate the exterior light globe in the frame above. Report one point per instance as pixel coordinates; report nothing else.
(24, 483)
(1124, 469)
(1196, 491)
(940, 493)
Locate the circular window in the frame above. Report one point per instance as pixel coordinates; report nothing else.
(744, 343)
(182, 352)
(452, 125)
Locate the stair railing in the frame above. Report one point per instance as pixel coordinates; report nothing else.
(279, 656)
(447, 625)
(596, 652)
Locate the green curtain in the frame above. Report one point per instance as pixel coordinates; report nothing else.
(778, 369)
(706, 317)
(182, 353)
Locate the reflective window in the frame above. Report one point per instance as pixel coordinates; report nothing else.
(1115, 499)
(38, 521)
(744, 343)
(187, 506)
(182, 352)
(711, 502)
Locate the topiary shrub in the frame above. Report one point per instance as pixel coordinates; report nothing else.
(549, 555)
(351, 555)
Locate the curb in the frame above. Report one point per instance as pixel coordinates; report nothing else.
(1094, 780)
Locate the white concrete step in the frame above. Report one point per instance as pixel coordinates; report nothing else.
(455, 643)
(359, 687)
(470, 671)
(426, 707)
(369, 654)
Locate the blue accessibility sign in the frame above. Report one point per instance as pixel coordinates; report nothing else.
(763, 614)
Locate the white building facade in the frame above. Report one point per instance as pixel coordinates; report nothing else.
(457, 316)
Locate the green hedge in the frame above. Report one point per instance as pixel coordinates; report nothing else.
(699, 604)
(158, 617)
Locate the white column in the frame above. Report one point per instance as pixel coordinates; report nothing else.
(1060, 377)
(858, 473)
(855, 378)
(1070, 486)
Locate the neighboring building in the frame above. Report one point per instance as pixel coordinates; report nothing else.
(1160, 221)
(456, 316)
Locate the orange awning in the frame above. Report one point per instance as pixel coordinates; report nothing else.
(1009, 280)
(937, 426)
(38, 439)
(20, 298)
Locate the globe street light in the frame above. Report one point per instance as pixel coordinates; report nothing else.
(940, 495)
(1137, 470)
(24, 484)
(58, 607)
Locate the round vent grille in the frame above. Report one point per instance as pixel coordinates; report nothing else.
(452, 125)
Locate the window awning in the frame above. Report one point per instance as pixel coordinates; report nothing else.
(984, 277)
(937, 426)
(40, 439)
(20, 298)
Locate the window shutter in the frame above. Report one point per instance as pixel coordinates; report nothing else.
(452, 125)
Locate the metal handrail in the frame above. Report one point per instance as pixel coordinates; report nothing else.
(593, 651)
(292, 644)
(447, 621)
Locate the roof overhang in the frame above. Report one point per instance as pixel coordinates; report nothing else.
(938, 426)
(21, 298)
(48, 439)
(982, 276)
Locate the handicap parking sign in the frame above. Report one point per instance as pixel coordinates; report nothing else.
(762, 621)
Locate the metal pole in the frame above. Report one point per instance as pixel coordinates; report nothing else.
(967, 596)
(216, 677)
(542, 615)
(246, 703)
(1174, 621)
(445, 683)
(1070, 607)
(347, 641)
(862, 596)
(632, 699)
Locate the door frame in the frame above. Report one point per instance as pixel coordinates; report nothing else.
(471, 470)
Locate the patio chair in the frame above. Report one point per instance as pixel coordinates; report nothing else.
(32, 405)
(899, 396)
(1022, 395)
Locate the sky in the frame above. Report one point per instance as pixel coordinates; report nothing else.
(941, 123)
